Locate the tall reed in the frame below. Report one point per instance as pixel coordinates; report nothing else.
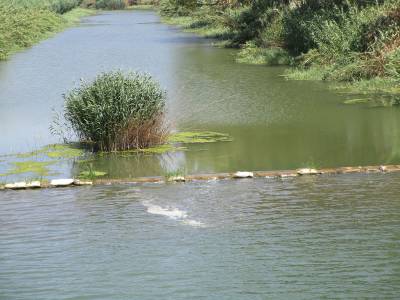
(118, 111)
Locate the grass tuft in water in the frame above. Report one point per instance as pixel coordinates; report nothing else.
(90, 173)
(118, 111)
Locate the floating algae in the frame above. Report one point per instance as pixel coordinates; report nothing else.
(192, 137)
(63, 151)
(91, 174)
(36, 167)
(59, 151)
(357, 101)
(176, 140)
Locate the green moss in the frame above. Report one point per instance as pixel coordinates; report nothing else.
(37, 167)
(198, 137)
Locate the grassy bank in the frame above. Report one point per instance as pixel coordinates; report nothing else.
(356, 42)
(24, 24)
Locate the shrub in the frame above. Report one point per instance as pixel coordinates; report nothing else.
(273, 56)
(118, 111)
(174, 8)
(111, 4)
(63, 6)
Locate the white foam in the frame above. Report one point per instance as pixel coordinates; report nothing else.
(172, 213)
(193, 223)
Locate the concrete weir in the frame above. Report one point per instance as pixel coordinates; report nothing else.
(58, 183)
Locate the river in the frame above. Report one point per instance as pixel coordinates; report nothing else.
(298, 238)
(275, 123)
(334, 237)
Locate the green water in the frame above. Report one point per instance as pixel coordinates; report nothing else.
(275, 123)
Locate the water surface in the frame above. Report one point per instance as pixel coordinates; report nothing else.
(323, 237)
(276, 124)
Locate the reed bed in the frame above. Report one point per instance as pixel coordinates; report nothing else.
(118, 111)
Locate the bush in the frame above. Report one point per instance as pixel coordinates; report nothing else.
(63, 6)
(273, 56)
(175, 8)
(118, 111)
(111, 4)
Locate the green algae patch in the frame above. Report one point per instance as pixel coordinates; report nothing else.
(162, 149)
(91, 174)
(62, 151)
(37, 167)
(187, 137)
(192, 137)
(377, 101)
(357, 101)
(59, 151)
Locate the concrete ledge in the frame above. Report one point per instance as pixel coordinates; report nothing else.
(204, 177)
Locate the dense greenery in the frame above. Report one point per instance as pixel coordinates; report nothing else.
(343, 40)
(111, 4)
(25, 22)
(118, 111)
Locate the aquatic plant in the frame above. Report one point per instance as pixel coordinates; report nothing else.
(90, 173)
(175, 175)
(118, 111)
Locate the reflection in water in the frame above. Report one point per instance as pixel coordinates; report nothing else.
(275, 124)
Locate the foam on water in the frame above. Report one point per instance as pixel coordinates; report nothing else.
(171, 213)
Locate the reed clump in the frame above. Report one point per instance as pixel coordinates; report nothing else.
(118, 111)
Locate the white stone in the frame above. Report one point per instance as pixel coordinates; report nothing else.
(61, 182)
(176, 179)
(307, 171)
(241, 174)
(288, 175)
(383, 168)
(82, 182)
(16, 185)
(33, 185)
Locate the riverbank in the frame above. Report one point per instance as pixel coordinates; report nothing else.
(355, 44)
(22, 27)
